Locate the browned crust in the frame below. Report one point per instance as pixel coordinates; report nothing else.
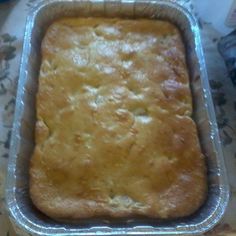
(116, 141)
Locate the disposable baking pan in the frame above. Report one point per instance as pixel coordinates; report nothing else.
(22, 212)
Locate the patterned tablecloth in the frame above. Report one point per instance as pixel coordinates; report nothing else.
(12, 21)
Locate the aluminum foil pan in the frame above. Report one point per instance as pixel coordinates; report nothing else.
(23, 213)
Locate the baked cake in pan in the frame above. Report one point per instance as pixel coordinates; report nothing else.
(114, 133)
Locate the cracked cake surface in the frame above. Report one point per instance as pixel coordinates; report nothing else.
(114, 134)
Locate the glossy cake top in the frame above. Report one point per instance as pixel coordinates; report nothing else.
(114, 134)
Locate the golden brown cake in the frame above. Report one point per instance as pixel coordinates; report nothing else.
(114, 133)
